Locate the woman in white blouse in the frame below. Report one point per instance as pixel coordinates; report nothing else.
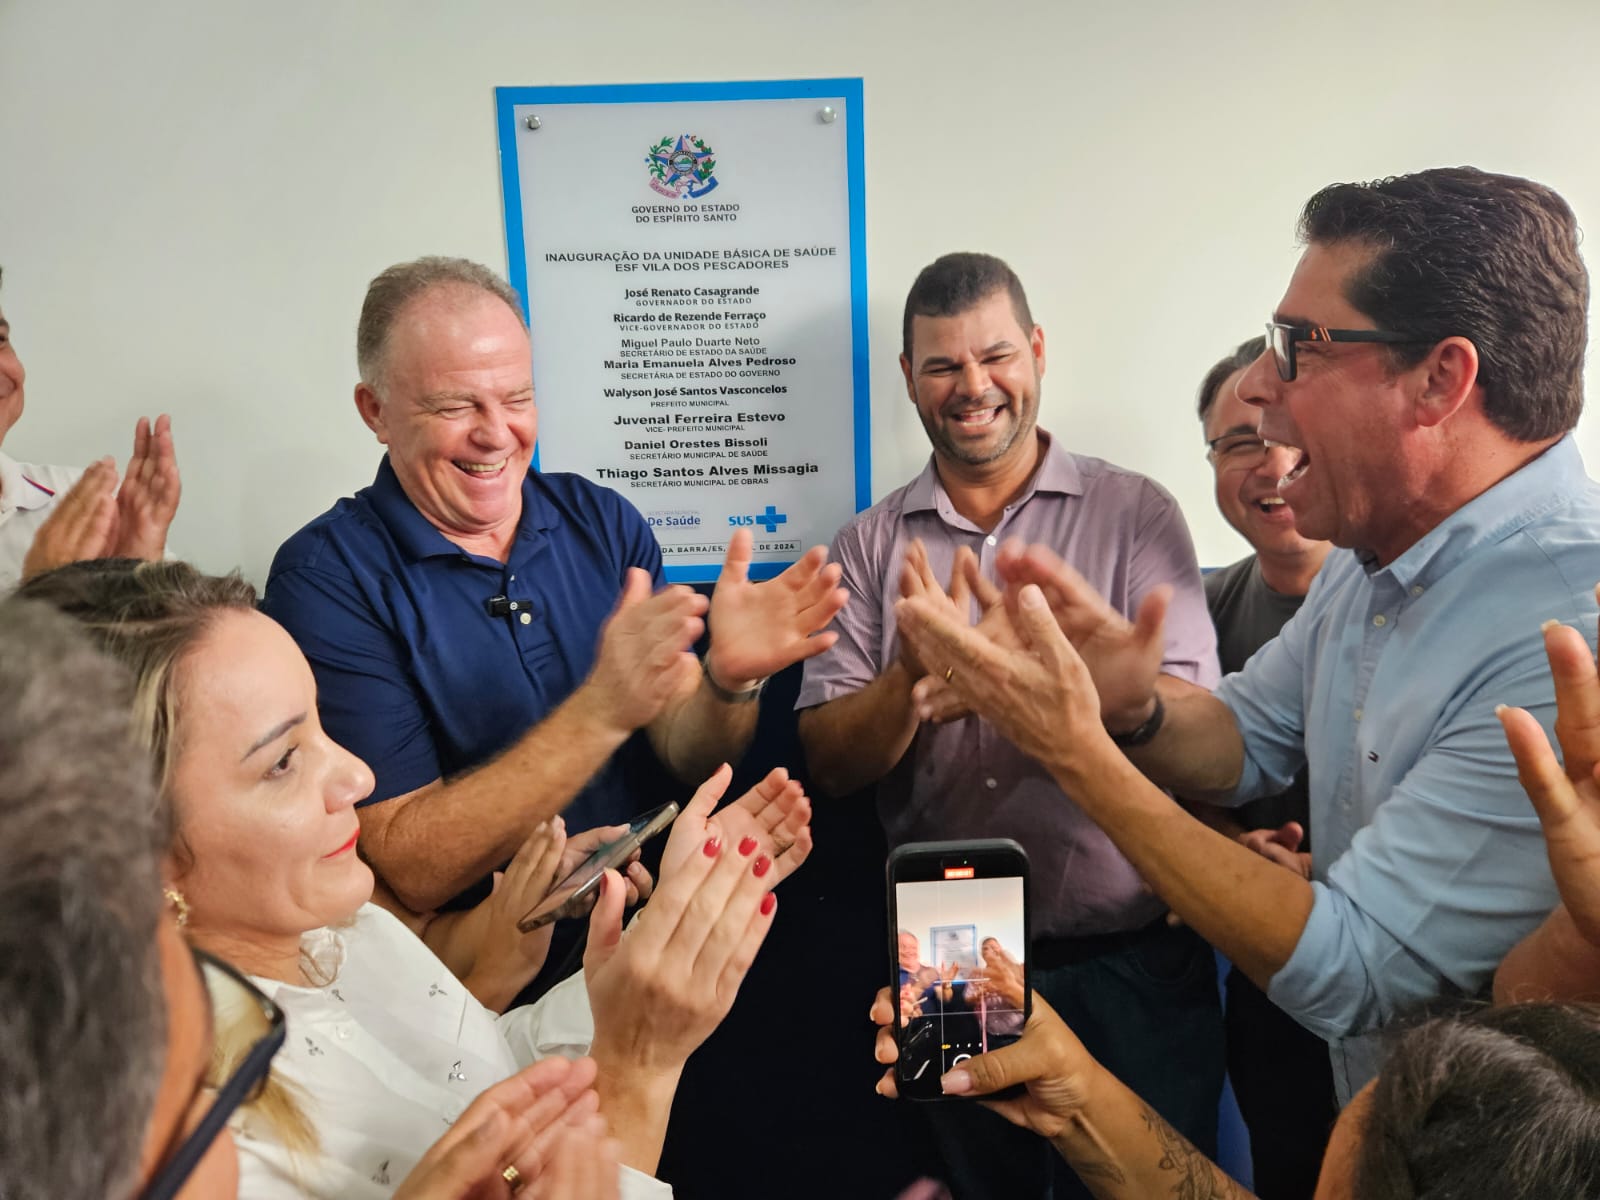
(385, 1047)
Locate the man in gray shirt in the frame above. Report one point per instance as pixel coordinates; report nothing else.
(1280, 1070)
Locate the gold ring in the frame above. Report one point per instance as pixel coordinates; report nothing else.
(948, 671)
(513, 1178)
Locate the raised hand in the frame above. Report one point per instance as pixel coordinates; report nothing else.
(775, 814)
(1280, 845)
(148, 498)
(81, 525)
(1039, 694)
(645, 658)
(936, 700)
(757, 629)
(1123, 657)
(1567, 798)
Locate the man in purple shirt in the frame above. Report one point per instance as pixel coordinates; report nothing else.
(1140, 993)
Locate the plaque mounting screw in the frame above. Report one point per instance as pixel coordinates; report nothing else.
(532, 121)
(828, 114)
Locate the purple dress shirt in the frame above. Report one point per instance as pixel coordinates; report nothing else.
(1124, 534)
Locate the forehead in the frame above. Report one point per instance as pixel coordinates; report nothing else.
(238, 673)
(1316, 292)
(451, 329)
(986, 323)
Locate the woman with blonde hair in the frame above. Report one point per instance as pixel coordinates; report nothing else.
(385, 1047)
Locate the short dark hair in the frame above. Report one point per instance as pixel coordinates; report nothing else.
(1491, 258)
(1241, 357)
(1501, 1102)
(956, 282)
(82, 1039)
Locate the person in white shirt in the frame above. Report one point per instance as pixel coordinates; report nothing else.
(385, 1048)
(54, 515)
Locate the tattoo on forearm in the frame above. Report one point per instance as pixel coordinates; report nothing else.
(1090, 1171)
(1199, 1177)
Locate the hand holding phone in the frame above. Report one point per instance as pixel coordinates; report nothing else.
(574, 895)
(959, 924)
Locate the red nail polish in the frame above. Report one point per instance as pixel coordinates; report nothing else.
(763, 865)
(712, 846)
(768, 902)
(748, 845)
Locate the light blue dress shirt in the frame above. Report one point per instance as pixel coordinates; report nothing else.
(1429, 862)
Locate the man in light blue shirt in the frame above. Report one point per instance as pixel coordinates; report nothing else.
(1426, 364)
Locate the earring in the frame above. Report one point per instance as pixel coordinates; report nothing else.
(179, 904)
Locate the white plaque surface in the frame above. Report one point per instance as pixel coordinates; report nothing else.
(691, 259)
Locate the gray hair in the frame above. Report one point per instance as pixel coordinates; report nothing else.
(83, 1037)
(395, 288)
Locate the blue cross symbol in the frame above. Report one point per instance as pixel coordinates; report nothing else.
(771, 519)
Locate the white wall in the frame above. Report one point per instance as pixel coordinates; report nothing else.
(194, 195)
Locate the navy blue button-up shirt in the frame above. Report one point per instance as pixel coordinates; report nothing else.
(413, 672)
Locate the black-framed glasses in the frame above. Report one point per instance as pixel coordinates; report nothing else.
(1282, 339)
(1238, 451)
(251, 1029)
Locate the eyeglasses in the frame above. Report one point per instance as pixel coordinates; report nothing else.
(257, 1026)
(1283, 339)
(1238, 451)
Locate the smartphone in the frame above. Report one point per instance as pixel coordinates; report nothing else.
(958, 941)
(573, 896)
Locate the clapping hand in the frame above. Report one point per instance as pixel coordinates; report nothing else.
(757, 629)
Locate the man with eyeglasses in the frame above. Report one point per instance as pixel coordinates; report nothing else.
(1142, 992)
(1426, 365)
(1279, 1069)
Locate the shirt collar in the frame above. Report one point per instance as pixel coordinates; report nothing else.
(420, 538)
(1057, 473)
(1553, 479)
(17, 491)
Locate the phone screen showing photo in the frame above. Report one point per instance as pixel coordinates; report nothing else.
(960, 942)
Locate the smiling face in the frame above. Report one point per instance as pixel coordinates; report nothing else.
(974, 378)
(910, 953)
(11, 377)
(455, 408)
(1349, 418)
(265, 801)
(1247, 495)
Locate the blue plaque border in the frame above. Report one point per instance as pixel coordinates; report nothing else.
(508, 99)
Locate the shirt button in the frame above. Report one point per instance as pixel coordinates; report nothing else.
(991, 540)
(526, 618)
(1380, 620)
(1417, 589)
(343, 1033)
(991, 783)
(1358, 714)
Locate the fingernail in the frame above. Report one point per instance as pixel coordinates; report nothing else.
(763, 865)
(712, 846)
(768, 903)
(604, 880)
(747, 847)
(1032, 597)
(1498, 709)
(878, 1087)
(956, 1083)
(1548, 625)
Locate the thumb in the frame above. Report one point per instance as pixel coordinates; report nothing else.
(736, 562)
(1147, 625)
(1037, 625)
(475, 1157)
(635, 588)
(605, 922)
(1289, 835)
(993, 1072)
(705, 798)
